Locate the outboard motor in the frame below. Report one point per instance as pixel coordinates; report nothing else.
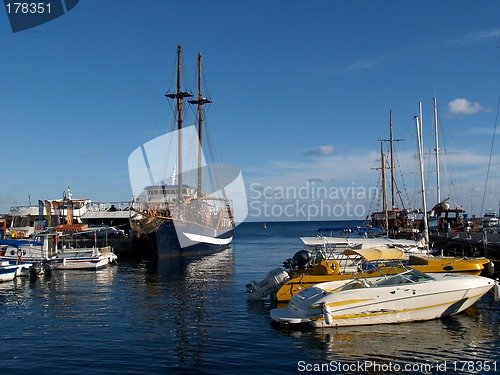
(301, 259)
(272, 282)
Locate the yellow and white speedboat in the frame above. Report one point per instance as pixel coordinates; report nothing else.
(408, 296)
(281, 284)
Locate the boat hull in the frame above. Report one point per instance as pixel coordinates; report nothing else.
(78, 263)
(7, 274)
(77, 259)
(183, 238)
(10, 269)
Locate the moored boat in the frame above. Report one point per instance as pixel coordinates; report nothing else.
(87, 259)
(281, 284)
(9, 270)
(490, 220)
(192, 214)
(27, 220)
(50, 249)
(408, 296)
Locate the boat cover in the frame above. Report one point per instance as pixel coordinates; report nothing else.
(373, 254)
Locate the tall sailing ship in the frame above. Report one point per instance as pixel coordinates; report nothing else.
(188, 213)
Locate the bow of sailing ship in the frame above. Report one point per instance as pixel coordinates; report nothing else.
(181, 217)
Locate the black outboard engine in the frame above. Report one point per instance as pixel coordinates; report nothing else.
(301, 259)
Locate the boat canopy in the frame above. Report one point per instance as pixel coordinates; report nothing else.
(315, 241)
(351, 229)
(373, 254)
(18, 243)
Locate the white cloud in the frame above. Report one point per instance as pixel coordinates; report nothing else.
(321, 151)
(462, 106)
(462, 180)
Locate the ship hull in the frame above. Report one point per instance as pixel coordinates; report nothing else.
(183, 238)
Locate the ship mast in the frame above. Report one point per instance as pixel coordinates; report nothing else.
(438, 183)
(391, 140)
(384, 190)
(200, 101)
(179, 95)
(418, 121)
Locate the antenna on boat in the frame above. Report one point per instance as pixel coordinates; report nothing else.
(179, 95)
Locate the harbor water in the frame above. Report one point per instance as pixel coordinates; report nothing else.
(192, 316)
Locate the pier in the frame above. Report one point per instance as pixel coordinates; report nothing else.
(464, 244)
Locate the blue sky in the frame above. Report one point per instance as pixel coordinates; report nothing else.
(302, 92)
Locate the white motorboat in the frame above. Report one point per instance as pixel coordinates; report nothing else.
(404, 297)
(79, 259)
(490, 220)
(50, 249)
(9, 270)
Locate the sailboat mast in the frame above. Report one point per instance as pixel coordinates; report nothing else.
(418, 120)
(438, 191)
(200, 102)
(179, 95)
(384, 189)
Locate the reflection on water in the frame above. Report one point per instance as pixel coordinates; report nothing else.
(154, 315)
(466, 336)
(184, 298)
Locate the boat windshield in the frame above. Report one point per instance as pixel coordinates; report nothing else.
(410, 277)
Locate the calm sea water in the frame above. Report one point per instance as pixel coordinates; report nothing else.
(191, 316)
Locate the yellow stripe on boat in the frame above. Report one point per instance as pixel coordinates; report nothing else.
(342, 303)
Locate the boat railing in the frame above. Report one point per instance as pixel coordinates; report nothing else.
(108, 206)
(218, 218)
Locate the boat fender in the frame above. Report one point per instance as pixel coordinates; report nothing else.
(496, 291)
(491, 268)
(327, 313)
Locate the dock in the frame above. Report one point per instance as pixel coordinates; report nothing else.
(464, 244)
